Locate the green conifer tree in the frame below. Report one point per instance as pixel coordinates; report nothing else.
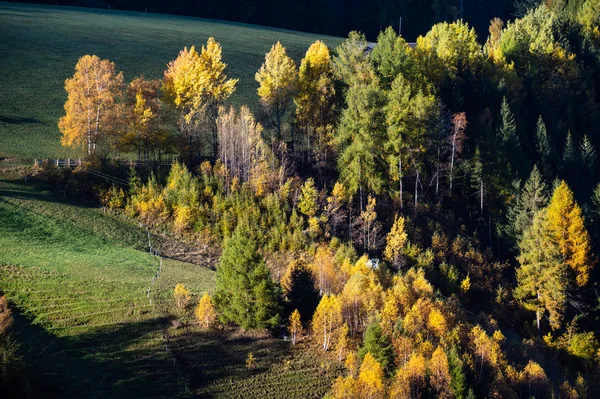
(542, 145)
(246, 295)
(379, 346)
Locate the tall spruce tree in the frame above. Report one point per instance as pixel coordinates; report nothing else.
(530, 200)
(378, 345)
(542, 145)
(510, 144)
(246, 295)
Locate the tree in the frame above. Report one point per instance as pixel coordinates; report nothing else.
(458, 379)
(295, 325)
(507, 133)
(456, 141)
(326, 320)
(352, 64)
(246, 295)
(205, 311)
(569, 156)
(541, 278)
(411, 118)
(396, 240)
(379, 346)
(243, 151)
(182, 296)
(542, 145)
(315, 99)
(530, 200)
(391, 56)
(93, 109)
(370, 378)
(566, 224)
(360, 136)
(299, 288)
(145, 133)
(277, 78)
(309, 195)
(440, 378)
(195, 85)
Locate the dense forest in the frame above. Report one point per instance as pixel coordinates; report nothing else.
(427, 215)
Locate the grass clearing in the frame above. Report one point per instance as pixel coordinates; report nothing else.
(41, 44)
(78, 279)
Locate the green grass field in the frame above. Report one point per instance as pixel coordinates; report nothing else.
(40, 45)
(78, 280)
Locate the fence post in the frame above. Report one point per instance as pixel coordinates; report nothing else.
(57, 162)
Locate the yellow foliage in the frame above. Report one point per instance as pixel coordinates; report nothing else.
(465, 285)
(351, 363)
(277, 78)
(193, 79)
(182, 296)
(183, 217)
(205, 311)
(326, 320)
(389, 313)
(436, 322)
(92, 109)
(295, 325)
(396, 240)
(440, 374)
(566, 222)
(250, 361)
(370, 378)
(342, 342)
(345, 388)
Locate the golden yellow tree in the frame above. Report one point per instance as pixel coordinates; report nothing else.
(144, 133)
(345, 388)
(370, 378)
(389, 313)
(195, 84)
(409, 381)
(205, 311)
(295, 326)
(565, 220)
(342, 342)
(93, 109)
(440, 374)
(315, 99)
(396, 240)
(326, 320)
(182, 296)
(277, 78)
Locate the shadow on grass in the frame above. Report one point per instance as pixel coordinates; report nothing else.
(40, 191)
(104, 363)
(10, 120)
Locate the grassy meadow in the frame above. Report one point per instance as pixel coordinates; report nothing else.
(40, 45)
(78, 278)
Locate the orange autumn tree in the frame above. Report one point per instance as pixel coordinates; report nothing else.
(93, 109)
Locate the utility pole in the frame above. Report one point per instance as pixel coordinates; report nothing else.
(400, 26)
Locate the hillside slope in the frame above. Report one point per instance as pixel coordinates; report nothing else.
(40, 45)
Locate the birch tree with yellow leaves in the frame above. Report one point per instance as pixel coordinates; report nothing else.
(327, 320)
(93, 110)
